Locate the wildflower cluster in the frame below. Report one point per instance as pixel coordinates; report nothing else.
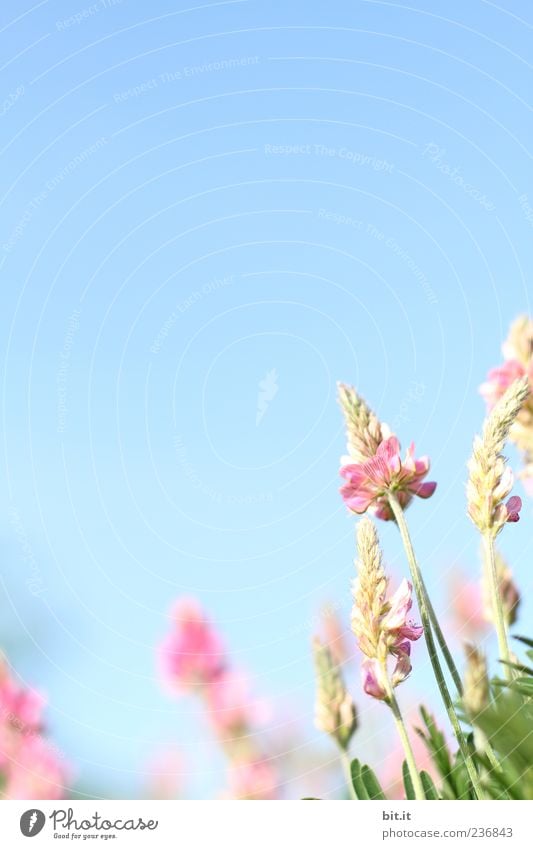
(30, 765)
(192, 658)
(381, 624)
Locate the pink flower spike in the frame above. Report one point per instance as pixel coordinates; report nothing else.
(192, 654)
(513, 507)
(368, 484)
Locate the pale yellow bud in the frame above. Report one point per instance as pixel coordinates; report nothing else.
(335, 714)
(476, 691)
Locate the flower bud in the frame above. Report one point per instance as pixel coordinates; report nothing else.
(336, 714)
(476, 681)
(509, 594)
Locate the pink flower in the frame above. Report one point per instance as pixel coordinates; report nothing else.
(37, 772)
(232, 710)
(372, 678)
(499, 379)
(394, 632)
(253, 780)
(369, 483)
(512, 507)
(395, 621)
(335, 634)
(192, 654)
(20, 714)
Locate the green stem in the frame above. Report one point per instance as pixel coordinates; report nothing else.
(482, 744)
(346, 765)
(497, 609)
(442, 641)
(432, 650)
(406, 743)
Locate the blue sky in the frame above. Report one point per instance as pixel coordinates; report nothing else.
(196, 201)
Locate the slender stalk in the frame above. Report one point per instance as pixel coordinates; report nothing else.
(430, 642)
(482, 744)
(346, 765)
(442, 641)
(497, 609)
(406, 743)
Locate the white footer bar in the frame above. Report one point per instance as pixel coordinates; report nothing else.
(268, 825)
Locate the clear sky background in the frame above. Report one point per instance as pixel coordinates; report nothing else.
(196, 198)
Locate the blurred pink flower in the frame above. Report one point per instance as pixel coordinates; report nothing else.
(37, 771)
(20, 713)
(335, 634)
(192, 654)
(232, 710)
(500, 378)
(467, 608)
(369, 483)
(253, 780)
(164, 774)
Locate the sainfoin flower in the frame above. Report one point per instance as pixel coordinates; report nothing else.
(491, 480)
(192, 658)
(193, 654)
(30, 766)
(518, 363)
(21, 712)
(382, 625)
(37, 771)
(369, 484)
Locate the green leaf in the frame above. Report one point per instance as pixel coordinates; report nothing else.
(507, 723)
(310, 799)
(357, 781)
(526, 640)
(429, 788)
(523, 685)
(372, 785)
(526, 670)
(437, 747)
(407, 783)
